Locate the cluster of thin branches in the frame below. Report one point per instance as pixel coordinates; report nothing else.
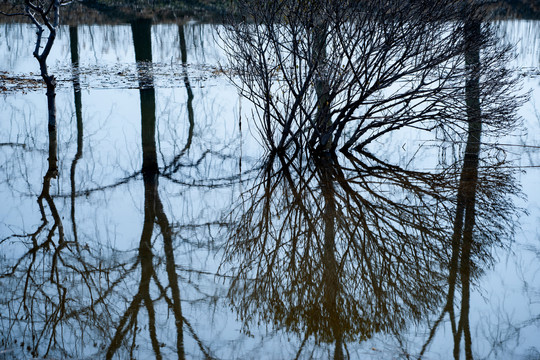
(341, 247)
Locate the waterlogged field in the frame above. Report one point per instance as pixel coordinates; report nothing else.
(126, 232)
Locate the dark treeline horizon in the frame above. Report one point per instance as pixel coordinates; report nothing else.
(124, 11)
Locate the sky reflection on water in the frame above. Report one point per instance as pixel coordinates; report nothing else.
(141, 212)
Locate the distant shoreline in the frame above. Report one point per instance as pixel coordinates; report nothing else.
(211, 11)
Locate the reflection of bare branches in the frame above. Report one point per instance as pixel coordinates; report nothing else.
(375, 225)
(46, 309)
(173, 167)
(41, 52)
(207, 182)
(154, 213)
(471, 237)
(22, 145)
(51, 314)
(343, 247)
(87, 192)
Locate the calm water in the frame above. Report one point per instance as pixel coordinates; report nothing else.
(160, 168)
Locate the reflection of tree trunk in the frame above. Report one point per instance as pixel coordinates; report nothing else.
(153, 208)
(50, 321)
(330, 272)
(150, 173)
(150, 177)
(465, 212)
(74, 45)
(143, 52)
(174, 166)
(142, 40)
(183, 49)
(176, 305)
(472, 151)
(52, 173)
(464, 221)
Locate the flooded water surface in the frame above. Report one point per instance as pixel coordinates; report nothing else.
(156, 220)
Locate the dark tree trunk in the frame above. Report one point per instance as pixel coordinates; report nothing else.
(74, 46)
(331, 283)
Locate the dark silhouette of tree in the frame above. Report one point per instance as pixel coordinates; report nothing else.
(369, 68)
(74, 49)
(474, 233)
(343, 246)
(153, 214)
(153, 209)
(333, 250)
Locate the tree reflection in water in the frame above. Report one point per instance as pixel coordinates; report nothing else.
(339, 251)
(150, 172)
(332, 246)
(82, 312)
(341, 246)
(153, 214)
(44, 258)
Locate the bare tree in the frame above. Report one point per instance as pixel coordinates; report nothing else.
(367, 68)
(391, 240)
(45, 15)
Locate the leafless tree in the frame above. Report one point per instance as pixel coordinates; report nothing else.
(332, 250)
(53, 266)
(345, 75)
(341, 74)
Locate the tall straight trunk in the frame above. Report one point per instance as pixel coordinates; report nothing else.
(143, 50)
(471, 161)
(322, 136)
(150, 170)
(74, 47)
(142, 41)
(331, 285)
(464, 221)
